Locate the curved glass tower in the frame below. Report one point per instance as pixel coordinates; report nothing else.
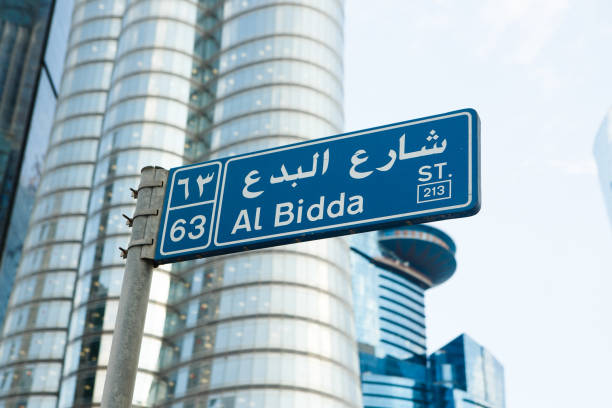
(152, 116)
(35, 330)
(271, 328)
(166, 83)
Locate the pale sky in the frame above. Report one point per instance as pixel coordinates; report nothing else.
(534, 277)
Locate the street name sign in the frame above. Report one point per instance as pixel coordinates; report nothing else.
(410, 172)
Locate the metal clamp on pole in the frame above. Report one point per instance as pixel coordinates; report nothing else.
(125, 349)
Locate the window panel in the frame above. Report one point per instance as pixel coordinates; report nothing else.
(95, 29)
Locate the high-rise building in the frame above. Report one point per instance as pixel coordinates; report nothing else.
(392, 269)
(30, 65)
(23, 30)
(165, 83)
(32, 46)
(464, 374)
(603, 156)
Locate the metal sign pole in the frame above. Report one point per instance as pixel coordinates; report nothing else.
(127, 338)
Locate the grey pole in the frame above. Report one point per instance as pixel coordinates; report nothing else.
(125, 348)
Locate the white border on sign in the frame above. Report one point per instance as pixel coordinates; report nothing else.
(168, 209)
(346, 224)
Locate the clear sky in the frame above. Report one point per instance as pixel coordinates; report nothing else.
(534, 277)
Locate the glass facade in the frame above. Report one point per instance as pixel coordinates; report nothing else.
(166, 83)
(391, 272)
(465, 374)
(603, 156)
(36, 326)
(271, 328)
(23, 34)
(389, 298)
(365, 291)
(32, 344)
(149, 118)
(23, 29)
(392, 269)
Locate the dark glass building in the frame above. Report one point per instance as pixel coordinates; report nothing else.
(33, 35)
(392, 269)
(465, 375)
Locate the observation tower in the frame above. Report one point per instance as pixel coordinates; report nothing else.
(423, 253)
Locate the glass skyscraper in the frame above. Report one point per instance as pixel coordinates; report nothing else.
(603, 156)
(392, 269)
(32, 46)
(466, 375)
(165, 83)
(23, 30)
(31, 59)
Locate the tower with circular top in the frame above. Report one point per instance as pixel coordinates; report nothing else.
(392, 270)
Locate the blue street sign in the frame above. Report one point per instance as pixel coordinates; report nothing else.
(406, 173)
